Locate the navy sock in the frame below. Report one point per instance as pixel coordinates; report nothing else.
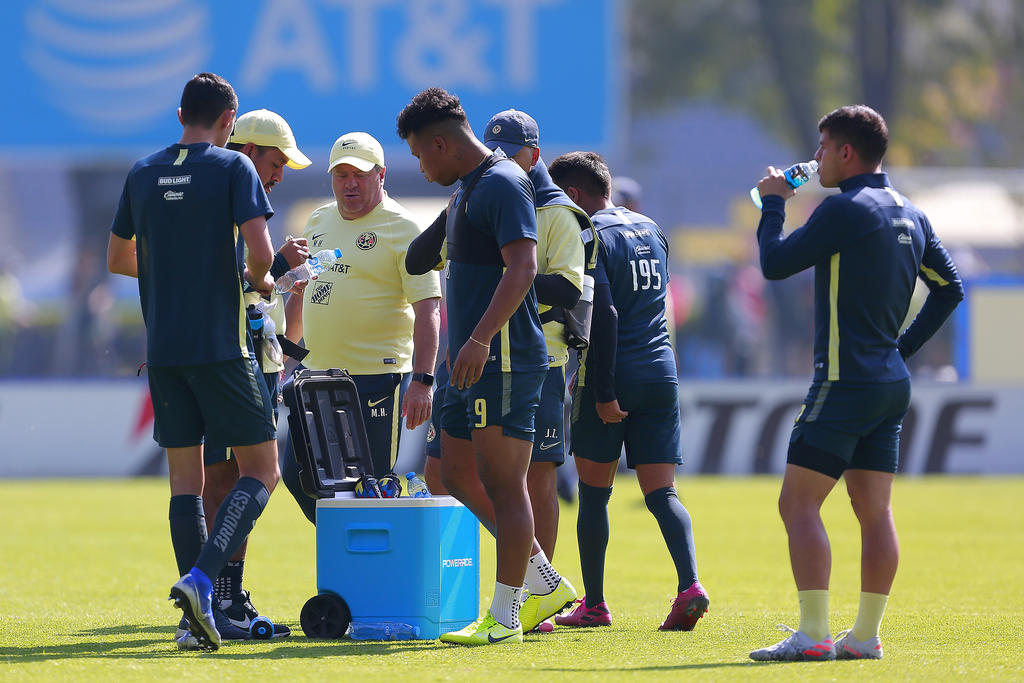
(188, 530)
(592, 537)
(677, 529)
(235, 519)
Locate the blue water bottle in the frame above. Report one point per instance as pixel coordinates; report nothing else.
(796, 175)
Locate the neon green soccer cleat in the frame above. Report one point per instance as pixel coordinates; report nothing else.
(537, 608)
(484, 631)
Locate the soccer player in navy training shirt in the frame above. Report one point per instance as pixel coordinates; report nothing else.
(494, 334)
(868, 246)
(626, 393)
(182, 205)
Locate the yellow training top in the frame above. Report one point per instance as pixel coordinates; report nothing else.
(559, 252)
(358, 314)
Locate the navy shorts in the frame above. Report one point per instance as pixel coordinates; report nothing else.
(549, 422)
(509, 399)
(226, 402)
(858, 424)
(650, 432)
(215, 454)
(381, 403)
(549, 446)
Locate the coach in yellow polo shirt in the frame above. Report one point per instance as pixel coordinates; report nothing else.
(366, 313)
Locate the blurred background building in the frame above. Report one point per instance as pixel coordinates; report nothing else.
(689, 100)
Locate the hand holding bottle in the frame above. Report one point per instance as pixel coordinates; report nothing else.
(307, 270)
(793, 177)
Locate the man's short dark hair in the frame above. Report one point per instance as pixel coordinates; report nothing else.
(205, 98)
(586, 171)
(861, 127)
(239, 146)
(431, 106)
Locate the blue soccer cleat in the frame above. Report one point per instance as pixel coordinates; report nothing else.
(193, 595)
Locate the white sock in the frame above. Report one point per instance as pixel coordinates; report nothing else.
(505, 604)
(541, 577)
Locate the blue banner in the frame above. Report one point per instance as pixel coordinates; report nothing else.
(103, 77)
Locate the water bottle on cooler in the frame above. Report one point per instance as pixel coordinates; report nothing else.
(313, 266)
(796, 175)
(417, 487)
(382, 630)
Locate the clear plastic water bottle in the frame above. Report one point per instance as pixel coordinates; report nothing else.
(796, 175)
(417, 487)
(313, 266)
(382, 630)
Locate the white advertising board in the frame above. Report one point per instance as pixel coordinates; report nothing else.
(102, 429)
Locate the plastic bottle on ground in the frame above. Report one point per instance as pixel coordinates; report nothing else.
(382, 630)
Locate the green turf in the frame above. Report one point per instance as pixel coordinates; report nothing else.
(87, 565)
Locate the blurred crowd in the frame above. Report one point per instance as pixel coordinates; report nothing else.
(729, 321)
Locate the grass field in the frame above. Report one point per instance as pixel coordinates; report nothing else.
(87, 565)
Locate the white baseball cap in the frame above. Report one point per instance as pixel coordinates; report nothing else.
(356, 149)
(265, 128)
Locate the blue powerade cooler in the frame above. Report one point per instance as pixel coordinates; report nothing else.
(413, 561)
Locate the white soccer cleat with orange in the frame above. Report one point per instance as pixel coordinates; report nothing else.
(848, 647)
(799, 647)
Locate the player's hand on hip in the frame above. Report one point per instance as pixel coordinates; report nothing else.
(295, 251)
(775, 183)
(416, 405)
(610, 412)
(469, 364)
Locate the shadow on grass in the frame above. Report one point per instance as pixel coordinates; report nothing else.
(591, 669)
(163, 646)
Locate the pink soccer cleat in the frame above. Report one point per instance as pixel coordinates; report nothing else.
(598, 615)
(688, 607)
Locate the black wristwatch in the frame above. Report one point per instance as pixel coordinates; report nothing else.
(424, 378)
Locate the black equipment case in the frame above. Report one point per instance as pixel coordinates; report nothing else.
(327, 432)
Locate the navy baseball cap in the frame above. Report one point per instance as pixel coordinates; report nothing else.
(511, 130)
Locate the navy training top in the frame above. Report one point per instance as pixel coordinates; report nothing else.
(868, 245)
(632, 260)
(500, 209)
(182, 204)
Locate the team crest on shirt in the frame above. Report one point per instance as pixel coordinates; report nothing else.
(368, 240)
(431, 434)
(321, 293)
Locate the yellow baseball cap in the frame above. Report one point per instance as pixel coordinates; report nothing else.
(265, 128)
(356, 149)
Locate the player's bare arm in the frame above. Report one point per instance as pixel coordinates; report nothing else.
(121, 258)
(293, 313)
(520, 257)
(261, 253)
(426, 328)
